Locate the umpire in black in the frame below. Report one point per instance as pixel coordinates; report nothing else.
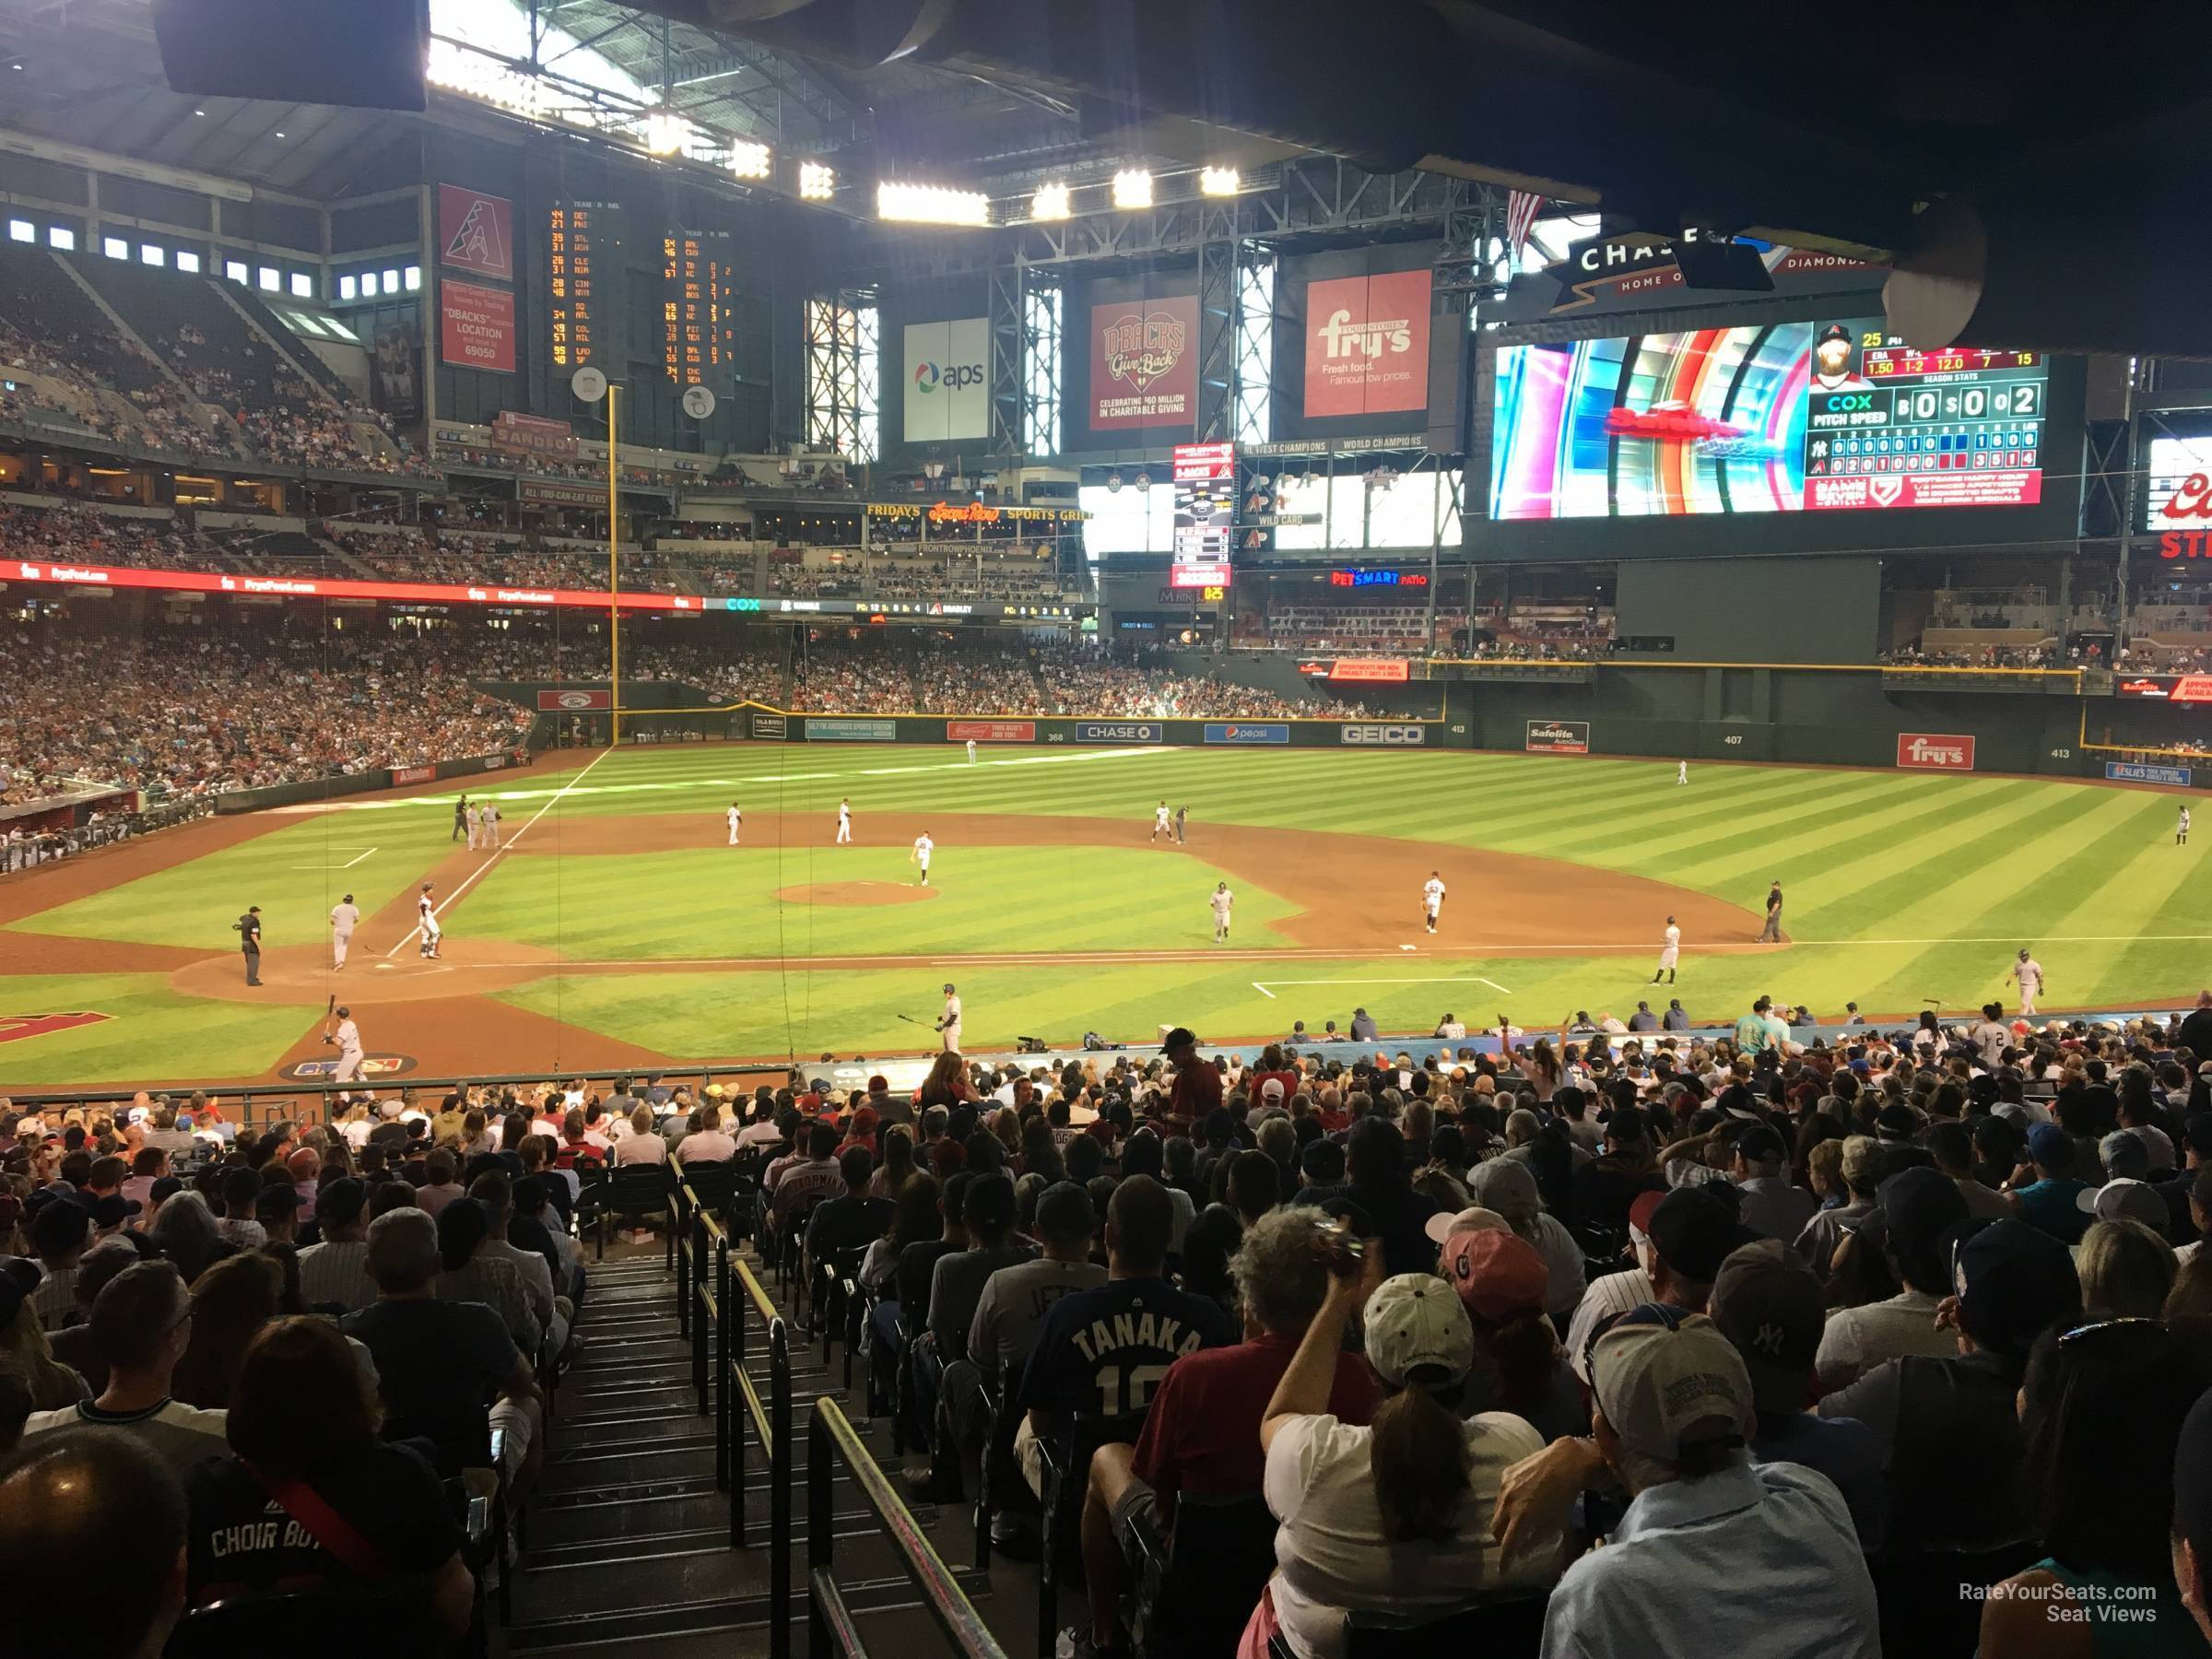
(459, 819)
(249, 941)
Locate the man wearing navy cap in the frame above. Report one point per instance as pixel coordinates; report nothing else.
(2047, 1201)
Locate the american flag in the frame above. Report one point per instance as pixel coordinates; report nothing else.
(1520, 209)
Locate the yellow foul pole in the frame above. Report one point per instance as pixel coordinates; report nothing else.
(614, 579)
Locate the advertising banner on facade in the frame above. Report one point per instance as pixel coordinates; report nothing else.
(573, 703)
(476, 326)
(2130, 771)
(475, 231)
(2166, 688)
(821, 728)
(1367, 344)
(513, 434)
(769, 727)
(1557, 737)
(1936, 751)
(1144, 363)
(1372, 670)
(948, 376)
(990, 731)
(1247, 731)
(1382, 734)
(1120, 731)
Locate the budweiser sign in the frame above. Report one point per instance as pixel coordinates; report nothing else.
(1934, 751)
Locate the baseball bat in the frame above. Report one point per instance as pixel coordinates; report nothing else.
(329, 1008)
(909, 1019)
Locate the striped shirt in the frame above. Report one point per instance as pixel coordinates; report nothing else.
(336, 1272)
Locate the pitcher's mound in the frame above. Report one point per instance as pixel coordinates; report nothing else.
(855, 892)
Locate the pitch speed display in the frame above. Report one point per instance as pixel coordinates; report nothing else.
(1821, 416)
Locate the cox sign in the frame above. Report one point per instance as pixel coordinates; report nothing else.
(1934, 751)
(1377, 734)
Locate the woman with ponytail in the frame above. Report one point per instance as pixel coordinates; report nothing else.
(1394, 1516)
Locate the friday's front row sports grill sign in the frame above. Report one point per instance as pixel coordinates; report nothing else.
(1559, 737)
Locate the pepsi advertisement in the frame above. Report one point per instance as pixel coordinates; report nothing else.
(1826, 415)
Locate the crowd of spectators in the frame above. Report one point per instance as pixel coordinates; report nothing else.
(867, 675)
(1913, 1329)
(195, 711)
(356, 1325)
(77, 532)
(1086, 682)
(1992, 656)
(459, 559)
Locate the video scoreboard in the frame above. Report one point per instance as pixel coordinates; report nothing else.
(583, 262)
(1798, 416)
(1959, 426)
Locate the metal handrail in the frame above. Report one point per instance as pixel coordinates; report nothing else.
(832, 1440)
(712, 1306)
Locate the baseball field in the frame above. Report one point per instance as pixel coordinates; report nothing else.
(614, 925)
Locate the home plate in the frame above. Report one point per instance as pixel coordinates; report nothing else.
(384, 967)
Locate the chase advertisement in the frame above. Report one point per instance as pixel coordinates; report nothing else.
(1822, 415)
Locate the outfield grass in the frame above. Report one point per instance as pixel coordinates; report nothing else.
(1902, 888)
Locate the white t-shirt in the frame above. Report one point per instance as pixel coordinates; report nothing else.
(706, 1145)
(1330, 1552)
(641, 1150)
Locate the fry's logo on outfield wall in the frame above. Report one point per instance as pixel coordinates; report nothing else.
(1934, 751)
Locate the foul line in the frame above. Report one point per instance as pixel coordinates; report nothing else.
(1450, 979)
(499, 852)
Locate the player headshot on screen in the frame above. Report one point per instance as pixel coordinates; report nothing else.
(1832, 363)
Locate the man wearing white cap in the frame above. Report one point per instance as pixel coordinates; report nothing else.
(1673, 1416)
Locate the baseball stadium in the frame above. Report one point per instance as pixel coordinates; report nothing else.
(1148, 816)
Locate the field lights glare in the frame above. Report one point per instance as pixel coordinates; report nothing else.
(665, 132)
(749, 159)
(816, 183)
(1218, 181)
(931, 205)
(1049, 203)
(1133, 188)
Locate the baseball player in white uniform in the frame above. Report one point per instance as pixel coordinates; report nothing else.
(1221, 901)
(349, 1040)
(426, 918)
(2181, 829)
(476, 828)
(1670, 952)
(971, 751)
(1160, 824)
(737, 821)
(2028, 972)
(344, 918)
(491, 825)
(924, 847)
(1681, 772)
(844, 822)
(1432, 899)
(949, 1022)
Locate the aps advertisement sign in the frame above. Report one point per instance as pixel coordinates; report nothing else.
(947, 380)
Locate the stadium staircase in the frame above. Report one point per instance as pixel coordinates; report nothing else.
(630, 1534)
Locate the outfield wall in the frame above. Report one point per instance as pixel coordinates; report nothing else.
(319, 789)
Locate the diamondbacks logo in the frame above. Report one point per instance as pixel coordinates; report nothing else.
(16, 1028)
(1141, 349)
(475, 231)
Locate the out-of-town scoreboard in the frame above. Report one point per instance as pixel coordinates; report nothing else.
(699, 296)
